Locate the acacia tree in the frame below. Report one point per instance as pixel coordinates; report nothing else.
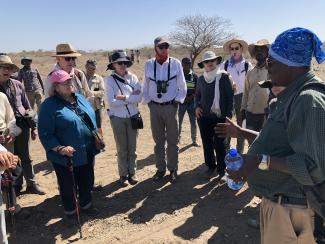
(198, 32)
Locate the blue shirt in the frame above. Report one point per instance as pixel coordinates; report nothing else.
(59, 125)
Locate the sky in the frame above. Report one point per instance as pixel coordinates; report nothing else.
(106, 24)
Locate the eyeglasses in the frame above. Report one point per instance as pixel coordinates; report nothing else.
(121, 63)
(66, 83)
(68, 59)
(5, 67)
(234, 48)
(209, 61)
(163, 46)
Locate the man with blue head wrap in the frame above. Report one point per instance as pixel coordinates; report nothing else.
(288, 155)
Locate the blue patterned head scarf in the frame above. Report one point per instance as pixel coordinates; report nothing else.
(296, 47)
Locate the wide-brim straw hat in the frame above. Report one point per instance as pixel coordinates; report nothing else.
(226, 46)
(208, 55)
(66, 50)
(259, 43)
(6, 60)
(119, 56)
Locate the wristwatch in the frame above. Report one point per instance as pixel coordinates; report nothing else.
(265, 162)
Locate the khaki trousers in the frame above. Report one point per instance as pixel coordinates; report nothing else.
(35, 97)
(286, 224)
(164, 128)
(126, 144)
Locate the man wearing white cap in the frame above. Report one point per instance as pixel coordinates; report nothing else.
(164, 88)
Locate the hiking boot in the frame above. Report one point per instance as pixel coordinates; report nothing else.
(91, 212)
(35, 189)
(159, 175)
(123, 180)
(97, 188)
(173, 176)
(209, 173)
(132, 179)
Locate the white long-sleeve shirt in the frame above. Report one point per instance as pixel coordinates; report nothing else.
(117, 107)
(238, 74)
(7, 117)
(176, 89)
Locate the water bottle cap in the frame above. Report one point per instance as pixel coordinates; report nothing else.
(232, 152)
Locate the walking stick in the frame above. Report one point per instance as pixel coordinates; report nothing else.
(70, 167)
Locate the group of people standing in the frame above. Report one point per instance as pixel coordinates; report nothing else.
(279, 158)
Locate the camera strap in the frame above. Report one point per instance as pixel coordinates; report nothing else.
(155, 72)
(123, 81)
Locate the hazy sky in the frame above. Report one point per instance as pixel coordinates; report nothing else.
(106, 24)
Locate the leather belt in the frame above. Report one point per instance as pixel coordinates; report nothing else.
(165, 103)
(289, 200)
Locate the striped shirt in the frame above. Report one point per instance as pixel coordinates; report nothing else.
(301, 141)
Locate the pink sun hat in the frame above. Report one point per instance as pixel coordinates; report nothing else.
(59, 76)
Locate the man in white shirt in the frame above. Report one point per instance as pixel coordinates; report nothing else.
(164, 88)
(237, 67)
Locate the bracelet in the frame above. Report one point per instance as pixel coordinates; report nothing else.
(60, 148)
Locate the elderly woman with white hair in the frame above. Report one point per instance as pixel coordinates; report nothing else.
(66, 121)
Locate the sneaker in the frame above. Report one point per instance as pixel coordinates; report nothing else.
(209, 173)
(159, 175)
(173, 176)
(195, 144)
(123, 180)
(35, 189)
(132, 179)
(91, 212)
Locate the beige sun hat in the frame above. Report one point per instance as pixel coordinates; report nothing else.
(227, 44)
(208, 55)
(260, 43)
(6, 60)
(66, 50)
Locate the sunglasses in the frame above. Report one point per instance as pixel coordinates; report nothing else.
(234, 48)
(121, 63)
(209, 61)
(70, 58)
(163, 46)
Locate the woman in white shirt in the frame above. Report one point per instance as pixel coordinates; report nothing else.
(123, 92)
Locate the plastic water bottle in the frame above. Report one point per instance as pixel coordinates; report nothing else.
(233, 162)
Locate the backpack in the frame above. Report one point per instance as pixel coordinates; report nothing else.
(315, 194)
(246, 66)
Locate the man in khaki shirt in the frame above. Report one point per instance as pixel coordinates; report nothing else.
(255, 98)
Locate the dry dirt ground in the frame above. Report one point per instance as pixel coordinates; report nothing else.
(193, 210)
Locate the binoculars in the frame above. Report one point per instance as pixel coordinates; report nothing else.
(161, 87)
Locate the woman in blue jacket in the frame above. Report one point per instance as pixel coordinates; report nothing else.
(65, 123)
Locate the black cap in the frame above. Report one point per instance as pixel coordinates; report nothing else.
(186, 61)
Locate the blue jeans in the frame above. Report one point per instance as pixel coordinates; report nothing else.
(189, 107)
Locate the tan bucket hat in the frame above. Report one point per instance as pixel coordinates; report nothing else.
(226, 46)
(6, 60)
(260, 43)
(66, 50)
(209, 55)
